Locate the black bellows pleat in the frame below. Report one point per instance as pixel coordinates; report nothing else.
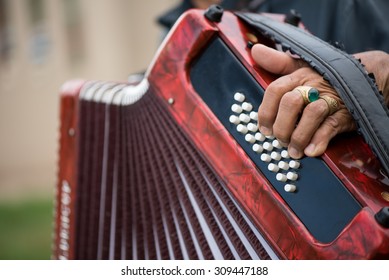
(146, 192)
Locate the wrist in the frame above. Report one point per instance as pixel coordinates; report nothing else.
(377, 62)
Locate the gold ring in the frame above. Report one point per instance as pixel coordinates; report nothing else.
(309, 94)
(332, 103)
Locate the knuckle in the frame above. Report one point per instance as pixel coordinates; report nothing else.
(317, 109)
(291, 100)
(275, 87)
(333, 123)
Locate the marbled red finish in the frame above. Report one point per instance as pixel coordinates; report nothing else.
(348, 156)
(67, 171)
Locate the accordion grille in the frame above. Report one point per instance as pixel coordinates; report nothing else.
(145, 191)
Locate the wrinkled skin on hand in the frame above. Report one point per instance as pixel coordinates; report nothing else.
(305, 129)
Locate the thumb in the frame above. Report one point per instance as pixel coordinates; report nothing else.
(275, 61)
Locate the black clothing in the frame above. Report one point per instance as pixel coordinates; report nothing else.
(356, 25)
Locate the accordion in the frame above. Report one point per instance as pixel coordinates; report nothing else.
(172, 166)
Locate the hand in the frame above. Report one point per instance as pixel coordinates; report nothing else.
(304, 129)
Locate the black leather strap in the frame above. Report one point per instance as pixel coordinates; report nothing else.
(346, 74)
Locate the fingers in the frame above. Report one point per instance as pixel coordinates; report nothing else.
(283, 113)
(311, 134)
(303, 128)
(269, 107)
(339, 122)
(278, 63)
(275, 61)
(314, 114)
(289, 112)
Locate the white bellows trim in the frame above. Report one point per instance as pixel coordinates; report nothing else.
(114, 93)
(134, 93)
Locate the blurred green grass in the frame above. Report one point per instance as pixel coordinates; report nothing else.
(26, 229)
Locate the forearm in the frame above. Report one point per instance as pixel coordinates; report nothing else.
(377, 62)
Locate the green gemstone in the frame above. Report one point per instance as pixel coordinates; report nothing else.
(313, 95)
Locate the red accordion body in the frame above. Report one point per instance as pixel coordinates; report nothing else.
(157, 170)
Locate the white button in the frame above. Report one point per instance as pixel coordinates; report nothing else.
(244, 118)
(290, 188)
(283, 165)
(270, 137)
(275, 156)
(265, 158)
(281, 177)
(252, 127)
(292, 176)
(254, 116)
(294, 164)
(277, 144)
(285, 154)
(236, 108)
(247, 106)
(257, 148)
(273, 167)
(234, 119)
(242, 128)
(250, 138)
(260, 137)
(239, 97)
(267, 146)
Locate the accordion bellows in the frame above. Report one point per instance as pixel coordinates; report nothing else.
(155, 198)
(155, 169)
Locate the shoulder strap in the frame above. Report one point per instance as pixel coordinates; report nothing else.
(346, 74)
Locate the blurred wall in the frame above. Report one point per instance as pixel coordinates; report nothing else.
(43, 43)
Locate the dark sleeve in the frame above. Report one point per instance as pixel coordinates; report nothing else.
(169, 18)
(357, 25)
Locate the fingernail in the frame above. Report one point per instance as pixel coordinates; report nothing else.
(310, 149)
(265, 130)
(294, 153)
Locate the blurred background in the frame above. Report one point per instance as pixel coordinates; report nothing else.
(43, 43)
